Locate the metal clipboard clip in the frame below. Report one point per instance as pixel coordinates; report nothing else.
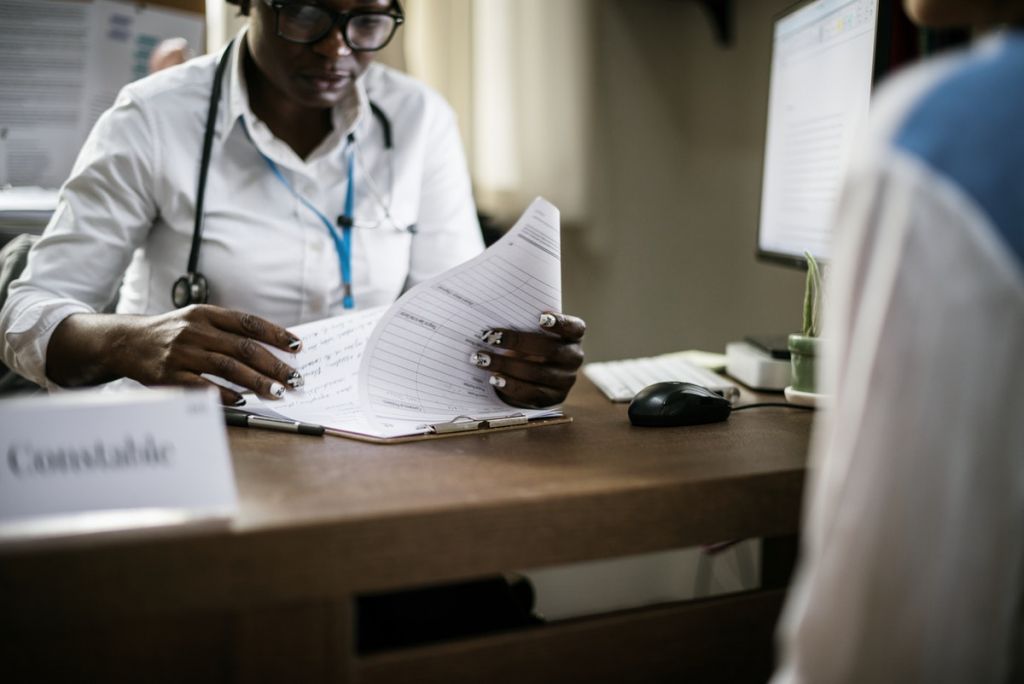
(467, 424)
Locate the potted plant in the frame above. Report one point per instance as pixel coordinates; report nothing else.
(803, 347)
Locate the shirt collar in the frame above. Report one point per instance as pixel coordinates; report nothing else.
(345, 118)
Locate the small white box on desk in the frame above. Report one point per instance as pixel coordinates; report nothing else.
(81, 464)
(755, 368)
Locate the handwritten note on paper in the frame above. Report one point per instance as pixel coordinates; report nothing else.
(332, 350)
(393, 372)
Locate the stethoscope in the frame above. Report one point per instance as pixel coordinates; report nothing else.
(193, 287)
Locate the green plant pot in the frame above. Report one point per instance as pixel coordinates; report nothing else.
(803, 354)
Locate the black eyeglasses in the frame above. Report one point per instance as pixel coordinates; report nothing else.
(364, 30)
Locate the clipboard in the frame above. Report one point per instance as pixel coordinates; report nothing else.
(457, 427)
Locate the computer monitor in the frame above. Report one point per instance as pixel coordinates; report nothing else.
(822, 67)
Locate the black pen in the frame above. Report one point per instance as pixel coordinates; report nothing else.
(240, 419)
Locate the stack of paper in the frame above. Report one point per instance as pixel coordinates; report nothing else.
(26, 210)
(405, 369)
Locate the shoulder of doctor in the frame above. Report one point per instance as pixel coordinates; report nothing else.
(174, 96)
(407, 102)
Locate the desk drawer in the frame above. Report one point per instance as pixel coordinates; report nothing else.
(728, 639)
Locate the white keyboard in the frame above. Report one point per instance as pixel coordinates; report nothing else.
(621, 380)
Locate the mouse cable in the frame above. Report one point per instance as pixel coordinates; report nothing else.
(777, 404)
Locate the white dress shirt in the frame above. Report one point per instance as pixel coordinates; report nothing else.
(127, 209)
(912, 566)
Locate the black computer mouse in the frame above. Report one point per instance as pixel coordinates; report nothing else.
(666, 404)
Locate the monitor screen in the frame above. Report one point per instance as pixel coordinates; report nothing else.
(821, 76)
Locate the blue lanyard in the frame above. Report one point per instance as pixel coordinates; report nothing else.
(342, 242)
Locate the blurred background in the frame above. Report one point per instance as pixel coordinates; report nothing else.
(641, 126)
(642, 120)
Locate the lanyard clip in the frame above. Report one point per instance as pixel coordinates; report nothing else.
(347, 300)
(345, 221)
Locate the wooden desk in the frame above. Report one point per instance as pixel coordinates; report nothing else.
(321, 520)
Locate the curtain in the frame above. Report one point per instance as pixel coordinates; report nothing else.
(518, 74)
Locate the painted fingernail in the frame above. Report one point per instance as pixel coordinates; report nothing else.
(497, 381)
(480, 359)
(240, 401)
(492, 337)
(296, 380)
(277, 389)
(547, 320)
(295, 344)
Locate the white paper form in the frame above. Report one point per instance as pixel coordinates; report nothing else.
(43, 50)
(417, 370)
(396, 371)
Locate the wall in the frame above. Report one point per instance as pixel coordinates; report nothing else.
(222, 22)
(666, 260)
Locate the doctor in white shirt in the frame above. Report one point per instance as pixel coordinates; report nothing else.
(333, 183)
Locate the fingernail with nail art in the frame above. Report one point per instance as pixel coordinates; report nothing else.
(547, 320)
(498, 381)
(480, 359)
(295, 344)
(492, 337)
(277, 389)
(240, 401)
(296, 380)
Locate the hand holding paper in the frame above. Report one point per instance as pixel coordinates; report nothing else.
(414, 360)
(533, 369)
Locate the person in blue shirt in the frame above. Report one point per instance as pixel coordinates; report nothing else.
(912, 564)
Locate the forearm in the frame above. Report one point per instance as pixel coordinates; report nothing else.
(89, 349)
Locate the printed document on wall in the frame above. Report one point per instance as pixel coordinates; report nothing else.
(44, 50)
(64, 62)
(121, 39)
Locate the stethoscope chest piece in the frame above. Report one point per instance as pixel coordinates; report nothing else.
(190, 289)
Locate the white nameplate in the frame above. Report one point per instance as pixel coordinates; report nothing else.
(94, 462)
